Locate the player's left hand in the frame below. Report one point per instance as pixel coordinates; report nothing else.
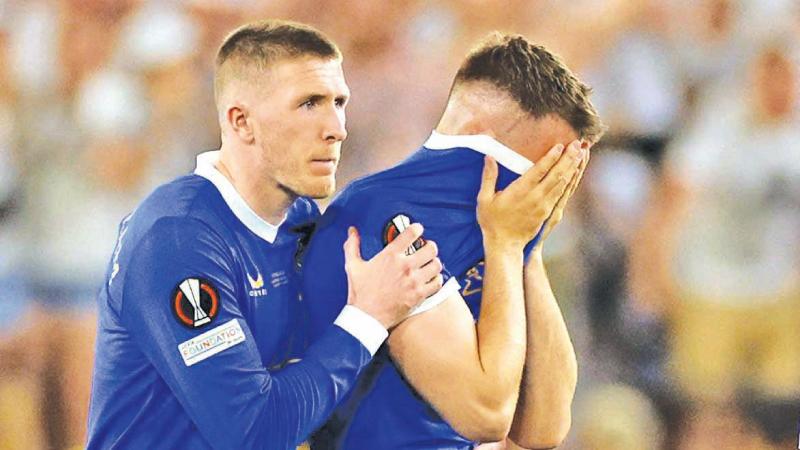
(558, 209)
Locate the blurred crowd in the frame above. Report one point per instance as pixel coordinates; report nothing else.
(678, 265)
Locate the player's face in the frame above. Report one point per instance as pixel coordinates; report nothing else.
(300, 125)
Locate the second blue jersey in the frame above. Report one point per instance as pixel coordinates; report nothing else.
(437, 188)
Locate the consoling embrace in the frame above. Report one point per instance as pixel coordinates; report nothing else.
(234, 315)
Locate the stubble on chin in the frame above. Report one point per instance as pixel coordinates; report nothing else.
(314, 191)
(323, 192)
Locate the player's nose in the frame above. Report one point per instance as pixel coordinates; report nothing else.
(335, 129)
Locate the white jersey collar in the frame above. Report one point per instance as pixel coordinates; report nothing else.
(481, 143)
(206, 168)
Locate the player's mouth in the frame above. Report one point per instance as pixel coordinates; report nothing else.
(323, 166)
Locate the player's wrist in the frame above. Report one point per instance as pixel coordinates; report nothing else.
(499, 244)
(534, 263)
(362, 325)
(380, 312)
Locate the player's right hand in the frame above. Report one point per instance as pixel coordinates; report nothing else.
(515, 215)
(561, 204)
(390, 285)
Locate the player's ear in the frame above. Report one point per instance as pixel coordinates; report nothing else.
(238, 119)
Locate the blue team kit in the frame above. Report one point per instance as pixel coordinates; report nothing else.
(436, 186)
(216, 328)
(201, 298)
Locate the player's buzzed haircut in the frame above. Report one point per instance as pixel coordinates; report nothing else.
(250, 49)
(537, 79)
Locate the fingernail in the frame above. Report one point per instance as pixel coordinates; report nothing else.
(560, 148)
(350, 231)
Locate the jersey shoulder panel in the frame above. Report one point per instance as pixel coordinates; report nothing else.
(184, 209)
(174, 249)
(190, 195)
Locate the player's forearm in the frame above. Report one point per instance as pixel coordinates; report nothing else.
(303, 395)
(471, 374)
(501, 325)
(268, 410)
(543, 417)
(290, 403)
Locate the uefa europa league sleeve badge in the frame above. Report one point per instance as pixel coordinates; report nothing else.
(195, 302)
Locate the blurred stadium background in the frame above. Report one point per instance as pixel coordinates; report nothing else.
(677, 265)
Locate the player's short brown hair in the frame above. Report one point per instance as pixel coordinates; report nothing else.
(251, 48)
(535, 78)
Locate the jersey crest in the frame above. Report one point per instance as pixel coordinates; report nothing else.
(395, 226)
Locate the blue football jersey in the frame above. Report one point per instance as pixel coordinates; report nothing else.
(436, 186)
(200, 320)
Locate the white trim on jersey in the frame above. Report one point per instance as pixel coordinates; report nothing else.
(363, 327)
(449, 288)
(481, 143)
(206, 168)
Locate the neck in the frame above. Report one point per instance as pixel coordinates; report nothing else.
(269, 200)
(479, 108)
(452, 127)
(458, 120)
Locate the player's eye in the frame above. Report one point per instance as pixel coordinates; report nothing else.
(308, 104)
(340, 102)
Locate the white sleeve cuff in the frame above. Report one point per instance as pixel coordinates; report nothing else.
(449, 288)
(363, 327)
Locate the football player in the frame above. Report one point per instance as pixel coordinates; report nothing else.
(200, 312)
(452, 375)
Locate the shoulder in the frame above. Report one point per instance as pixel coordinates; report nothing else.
(415, 179)
(363, 198)
(376, 186)
(172, 245)
(175, 247)
(179, 217)
(189, 201)
(187, 195)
